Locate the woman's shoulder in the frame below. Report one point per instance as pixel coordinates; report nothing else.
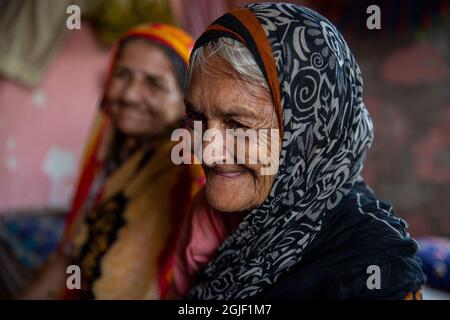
(362, 252)
(362, 217)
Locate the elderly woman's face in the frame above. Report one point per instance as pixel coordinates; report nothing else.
(143, 94)
(220, 100)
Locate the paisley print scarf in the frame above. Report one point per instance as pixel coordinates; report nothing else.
(317, 91)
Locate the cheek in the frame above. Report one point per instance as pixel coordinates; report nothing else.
(165, 107)
(170, 112)
(115, 89)
(263, 157)
(263, 185)
(263, 176)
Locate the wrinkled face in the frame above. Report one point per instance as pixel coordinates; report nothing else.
(144, 95)
(221, 100)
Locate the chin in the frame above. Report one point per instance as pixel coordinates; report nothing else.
(229, 193)
(219, 203)
(227, 196)
(129, 129)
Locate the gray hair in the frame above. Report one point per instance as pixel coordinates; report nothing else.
(235, 53)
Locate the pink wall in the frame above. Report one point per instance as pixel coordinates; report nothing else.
(43, 129)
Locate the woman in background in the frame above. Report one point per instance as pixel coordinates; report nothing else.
(123, 224)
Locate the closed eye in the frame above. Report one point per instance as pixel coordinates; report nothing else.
(192, 116)
(122, 73)
(234, 124)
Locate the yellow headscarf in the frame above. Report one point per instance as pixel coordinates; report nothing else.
(171, 37)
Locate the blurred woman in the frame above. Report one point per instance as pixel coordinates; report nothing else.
(124, 220)
(311, 228)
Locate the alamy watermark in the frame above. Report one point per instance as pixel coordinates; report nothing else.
(74, 279)
(374, 20)
(374, 280)
(73, 21)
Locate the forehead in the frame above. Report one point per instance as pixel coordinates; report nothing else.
(142, 55)
(217, 87)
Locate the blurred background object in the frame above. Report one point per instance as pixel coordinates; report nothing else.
(112, 18)
(32, 33)
(435, 255)
(51, 79)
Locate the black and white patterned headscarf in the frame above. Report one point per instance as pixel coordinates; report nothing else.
(327, 133)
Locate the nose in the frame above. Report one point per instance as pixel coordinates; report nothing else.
(214, 147)
(132, 92)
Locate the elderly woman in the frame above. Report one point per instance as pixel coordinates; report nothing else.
(123, 225)
(313, 229)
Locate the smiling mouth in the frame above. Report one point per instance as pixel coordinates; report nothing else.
(132, 113)
(226, 174)
(130, 108)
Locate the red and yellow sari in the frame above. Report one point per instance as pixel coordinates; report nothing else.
(122, 228)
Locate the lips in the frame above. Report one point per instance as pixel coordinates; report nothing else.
(226, 174)
(230, 174)
(131, 111)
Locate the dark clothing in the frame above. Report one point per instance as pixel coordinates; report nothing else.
(335, 265)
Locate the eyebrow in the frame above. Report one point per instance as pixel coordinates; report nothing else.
(156, 77)
(245, 112)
